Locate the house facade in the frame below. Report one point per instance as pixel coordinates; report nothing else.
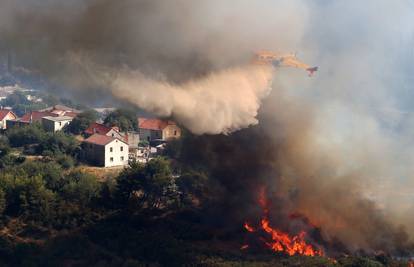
(5, 116)
(156, 129)
(53, 124)
(105, 151)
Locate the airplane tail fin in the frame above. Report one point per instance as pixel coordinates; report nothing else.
(312, 70)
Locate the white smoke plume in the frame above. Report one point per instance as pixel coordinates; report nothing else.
(220, 102)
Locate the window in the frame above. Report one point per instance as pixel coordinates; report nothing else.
(175, 132)
(122, 158)
(111, 149)
(113, 134)
(122, 148)
(111, 159)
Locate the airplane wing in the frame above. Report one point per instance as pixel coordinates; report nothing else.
(295, 63)
(280, 60)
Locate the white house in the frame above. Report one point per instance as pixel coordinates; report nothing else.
(106, 151)
(53, 124)
(6, 115)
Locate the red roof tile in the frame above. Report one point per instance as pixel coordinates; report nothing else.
(4, 112)
(97, 128)
(71, 114)
(153, 124)
(36, 116)
(100, 139)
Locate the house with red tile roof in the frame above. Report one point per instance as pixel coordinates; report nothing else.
(105, 151)
(132, 138)
(6, 115)
(36, 116)
(157, 129)
(98, 128)
(31, 117)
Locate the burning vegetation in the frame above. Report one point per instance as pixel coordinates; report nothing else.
(278, 240)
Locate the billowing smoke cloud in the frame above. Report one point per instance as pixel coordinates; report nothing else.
(335, 148)
(220, 102)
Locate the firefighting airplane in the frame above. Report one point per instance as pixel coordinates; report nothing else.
(282, 60)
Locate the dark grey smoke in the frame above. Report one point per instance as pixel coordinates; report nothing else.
(177, 39)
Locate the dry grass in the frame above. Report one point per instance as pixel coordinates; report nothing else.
(102, 173)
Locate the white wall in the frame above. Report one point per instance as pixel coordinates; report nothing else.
(116, 154)
(60, 124)
(54, 126)
(3, 122)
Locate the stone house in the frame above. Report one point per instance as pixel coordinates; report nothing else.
(157, 129)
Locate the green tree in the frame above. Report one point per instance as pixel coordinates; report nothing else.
(81, 188)
(151, 185)
(66, 161)
(26, 135)
(37, 201)
(4, 146)
(58, 143)
(28, 196)
(82, 121)
(51, 173)
(123, 118)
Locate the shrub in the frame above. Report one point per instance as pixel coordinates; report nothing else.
(81, 187)
(82, 121)
(58, 143)
(65, 161)
(26, 135)
(125, 119)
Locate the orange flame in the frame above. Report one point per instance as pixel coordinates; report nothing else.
(283, 242)
(248, 227)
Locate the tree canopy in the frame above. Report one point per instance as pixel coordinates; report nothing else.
(123, 118)
(81, 122)
(150, 185)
